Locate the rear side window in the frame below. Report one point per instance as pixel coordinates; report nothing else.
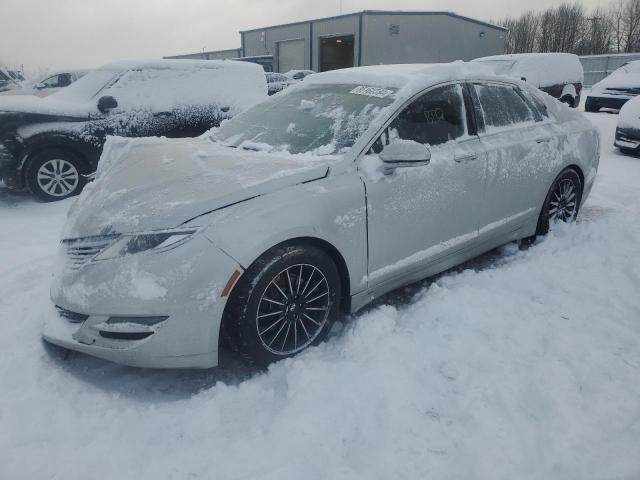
(502, 106)
(435, 118)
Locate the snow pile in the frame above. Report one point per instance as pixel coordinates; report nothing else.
(523, 366)
(629, 116)
(539, 69)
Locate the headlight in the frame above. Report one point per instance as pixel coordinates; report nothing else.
(141, 242)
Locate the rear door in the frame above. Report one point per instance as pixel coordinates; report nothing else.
(520, 150)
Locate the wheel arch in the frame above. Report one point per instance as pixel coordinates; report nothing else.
(35, 148)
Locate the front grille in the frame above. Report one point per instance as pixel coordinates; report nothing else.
(73, 317)
(81, 250)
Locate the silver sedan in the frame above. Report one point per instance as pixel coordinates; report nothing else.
(308, 206)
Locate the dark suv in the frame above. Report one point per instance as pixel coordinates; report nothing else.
(50, 145)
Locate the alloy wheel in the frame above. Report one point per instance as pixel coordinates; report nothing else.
(58, 177)
(563, 206)
(293, 309)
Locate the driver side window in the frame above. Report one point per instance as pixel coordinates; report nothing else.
(433, 119)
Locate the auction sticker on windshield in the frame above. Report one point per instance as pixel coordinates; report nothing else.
(372, 91)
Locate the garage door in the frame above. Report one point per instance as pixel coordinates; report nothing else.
(291, 55)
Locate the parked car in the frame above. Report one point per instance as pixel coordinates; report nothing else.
(276, 82)
(49, 84)
(309, 205)
(615, 90)
(558, 74)
(48, 145)
(298, 75)
(627, 137)
(8, 80)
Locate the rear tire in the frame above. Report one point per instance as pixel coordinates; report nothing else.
(562, 202)
(590, 107)
(285, 302)
(55, 174)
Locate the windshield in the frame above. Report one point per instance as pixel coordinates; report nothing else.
(631, 67)
(87, 87)
(500, 67)
(317, 119)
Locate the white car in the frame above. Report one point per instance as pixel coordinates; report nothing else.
(276, 82)
(559, 74)
(627, 137)
(616, 89)
(308, 206)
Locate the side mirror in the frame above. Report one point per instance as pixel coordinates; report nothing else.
(107, 103)
(39, 86)
(524, 79)
(404, 153)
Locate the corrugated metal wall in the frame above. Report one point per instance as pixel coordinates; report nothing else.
(217, 55)
(597, 67)
(386, 38)
(426, 39)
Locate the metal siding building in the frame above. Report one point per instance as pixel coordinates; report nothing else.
(215, 55)
(374, 37)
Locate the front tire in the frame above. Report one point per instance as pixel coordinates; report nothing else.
(562, 202)
(55, 174)
(284, 303)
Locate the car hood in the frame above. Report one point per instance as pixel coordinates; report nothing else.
(152, 184)
(31, 104)
(618, 79)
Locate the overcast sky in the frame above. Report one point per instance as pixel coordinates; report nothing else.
(44, 34)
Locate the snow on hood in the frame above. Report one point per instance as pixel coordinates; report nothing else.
(627, 76)
(539, 69)
(156, 183)
(44, 106)
(629, 116)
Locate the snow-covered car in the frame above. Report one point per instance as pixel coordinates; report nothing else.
(627, 137)
(49, 85)
(298, 75)
(615, 90)
(276, 82)
(309, 205)
(558, 74)
(49, 144)
(9, 80)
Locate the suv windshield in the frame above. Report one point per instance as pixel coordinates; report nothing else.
(87, 87)
(317, 119)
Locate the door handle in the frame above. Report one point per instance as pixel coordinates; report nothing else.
(466, 158)
(543, 140)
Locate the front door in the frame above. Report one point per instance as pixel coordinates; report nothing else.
(420, 214)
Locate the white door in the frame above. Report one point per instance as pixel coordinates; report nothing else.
(291, 55)
(420, 214)
(520, 155)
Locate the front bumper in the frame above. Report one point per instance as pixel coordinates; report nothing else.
(606, 101)
(627, 139)
(183, 284)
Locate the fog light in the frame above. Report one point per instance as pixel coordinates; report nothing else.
(147, 321)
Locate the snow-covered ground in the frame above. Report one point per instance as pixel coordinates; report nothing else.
(524, 365)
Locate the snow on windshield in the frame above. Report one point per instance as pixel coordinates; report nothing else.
(317, 119)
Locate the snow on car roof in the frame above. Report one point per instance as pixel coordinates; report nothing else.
(406, 77)
(559, 68)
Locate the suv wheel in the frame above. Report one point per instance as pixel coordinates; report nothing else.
(284, 303)
(55, 174)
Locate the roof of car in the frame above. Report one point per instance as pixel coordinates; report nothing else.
(406, 76)
(524, 56)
